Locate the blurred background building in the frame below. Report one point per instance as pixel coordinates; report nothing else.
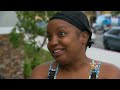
(92, 15)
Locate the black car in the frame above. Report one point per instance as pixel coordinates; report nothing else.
(111, 39)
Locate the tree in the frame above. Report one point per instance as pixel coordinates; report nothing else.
(27, 25)
(115, 12)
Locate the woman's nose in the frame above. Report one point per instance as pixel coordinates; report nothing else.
(53, 42)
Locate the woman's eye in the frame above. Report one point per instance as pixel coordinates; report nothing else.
(62, 33)
(49, 37)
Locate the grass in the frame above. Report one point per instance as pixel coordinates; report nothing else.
(29, 64)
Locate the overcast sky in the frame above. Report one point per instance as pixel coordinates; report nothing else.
(7, 18)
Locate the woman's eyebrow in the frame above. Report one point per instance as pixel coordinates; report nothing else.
(61, 27)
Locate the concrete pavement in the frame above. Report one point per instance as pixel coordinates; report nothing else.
(104, 55)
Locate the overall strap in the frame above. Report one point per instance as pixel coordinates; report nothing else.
(52, 73)
(94, 71)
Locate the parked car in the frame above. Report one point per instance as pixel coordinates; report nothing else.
(111, 39)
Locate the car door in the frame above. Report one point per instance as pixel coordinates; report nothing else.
(114, 39)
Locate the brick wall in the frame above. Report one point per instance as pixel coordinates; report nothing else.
(11, 60)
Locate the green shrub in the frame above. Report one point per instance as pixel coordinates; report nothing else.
(30, 63)
(27, 68)
(15, 38)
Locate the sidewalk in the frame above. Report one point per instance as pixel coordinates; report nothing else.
(104, 55)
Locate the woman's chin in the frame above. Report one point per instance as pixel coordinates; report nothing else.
(62, 62)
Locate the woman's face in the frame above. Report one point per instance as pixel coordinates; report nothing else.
(64, 41)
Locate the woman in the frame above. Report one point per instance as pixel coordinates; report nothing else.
(69, 35)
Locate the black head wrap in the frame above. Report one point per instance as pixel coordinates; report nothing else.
(76, 18)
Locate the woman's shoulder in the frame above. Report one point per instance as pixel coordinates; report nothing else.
(110, 71)
(41, 71)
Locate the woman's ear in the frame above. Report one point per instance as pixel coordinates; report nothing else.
(84, 37)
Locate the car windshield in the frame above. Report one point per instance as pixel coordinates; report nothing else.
(115, 31)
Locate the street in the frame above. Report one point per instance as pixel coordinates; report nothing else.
(98, 43)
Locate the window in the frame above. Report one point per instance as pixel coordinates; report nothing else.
(115, 32)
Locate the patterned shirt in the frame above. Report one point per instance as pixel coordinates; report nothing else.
(94, 70)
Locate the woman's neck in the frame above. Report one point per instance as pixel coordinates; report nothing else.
(76, 65)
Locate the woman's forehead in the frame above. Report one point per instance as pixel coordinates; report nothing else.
(59, 24)
(56, 29)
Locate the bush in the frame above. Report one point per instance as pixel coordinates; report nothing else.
(27, 68)
(30, 63)
(16, 38)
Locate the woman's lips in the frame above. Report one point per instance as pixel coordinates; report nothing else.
(57, 52)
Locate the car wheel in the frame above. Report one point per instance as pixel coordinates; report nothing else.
(106, 45)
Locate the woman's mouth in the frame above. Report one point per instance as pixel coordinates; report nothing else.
(57, 52)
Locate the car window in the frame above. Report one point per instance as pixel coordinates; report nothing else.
(115, 32)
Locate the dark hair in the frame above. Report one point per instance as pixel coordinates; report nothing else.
(78, 19)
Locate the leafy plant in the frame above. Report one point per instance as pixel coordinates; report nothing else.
(27, 25)
(29, 64)
(16, 38)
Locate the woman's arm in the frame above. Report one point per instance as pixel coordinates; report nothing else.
(40, 72)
